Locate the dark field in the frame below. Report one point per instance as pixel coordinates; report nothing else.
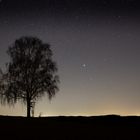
(71, 128)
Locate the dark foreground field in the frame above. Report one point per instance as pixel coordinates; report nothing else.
(71, 128)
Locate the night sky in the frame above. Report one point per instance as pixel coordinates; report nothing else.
(96, 44)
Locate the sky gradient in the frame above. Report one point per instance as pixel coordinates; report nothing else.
(96, 45)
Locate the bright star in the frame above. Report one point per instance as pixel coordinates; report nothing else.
(84, 65)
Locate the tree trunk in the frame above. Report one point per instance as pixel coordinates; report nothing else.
(28, 106)
(28, 109)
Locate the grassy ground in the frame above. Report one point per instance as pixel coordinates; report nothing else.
(71, 128)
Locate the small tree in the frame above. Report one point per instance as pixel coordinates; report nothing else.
(30, 74)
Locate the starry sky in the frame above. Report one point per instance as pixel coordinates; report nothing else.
(96, 45)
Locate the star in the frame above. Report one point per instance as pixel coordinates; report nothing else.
(84, 65)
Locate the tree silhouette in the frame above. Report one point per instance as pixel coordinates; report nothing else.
(30, 74)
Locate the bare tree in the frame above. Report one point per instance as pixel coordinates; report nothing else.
(30, 74)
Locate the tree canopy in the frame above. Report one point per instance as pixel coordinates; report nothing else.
(30, 74)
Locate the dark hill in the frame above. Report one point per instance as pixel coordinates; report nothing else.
(110, 127)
